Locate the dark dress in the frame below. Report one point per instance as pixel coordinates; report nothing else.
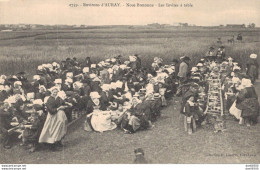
(3, 95)
(143, 112)
(40, 96)
(32, 135)
(104, 98)
(252, 69)
(247, 101)
(5, 120)
(55, 126)
(66, 87)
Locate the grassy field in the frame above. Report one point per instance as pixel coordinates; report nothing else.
(23, 51)
(167, 142)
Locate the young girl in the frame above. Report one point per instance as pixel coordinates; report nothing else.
(189, 115)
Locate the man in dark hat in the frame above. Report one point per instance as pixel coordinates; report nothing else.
(118, 60)
(21, 75)
(143, 111)
(221, 54)
(75, 62)
(26, 85)
(211, 55)
(87, 62)
(138, 62)
(63, 65)
(68, 63)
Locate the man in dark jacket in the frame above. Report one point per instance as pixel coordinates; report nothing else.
(183, 69)
(252, 67)
(5, 120)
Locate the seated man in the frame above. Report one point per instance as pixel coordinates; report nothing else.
(5, 120)
(139, 115)
(32, 133)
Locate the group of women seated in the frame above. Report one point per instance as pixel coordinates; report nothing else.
(111, 93)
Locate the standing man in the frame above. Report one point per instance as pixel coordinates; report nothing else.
(183, 69)
(252, 67)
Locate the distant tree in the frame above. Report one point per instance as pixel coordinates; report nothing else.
(251, 25)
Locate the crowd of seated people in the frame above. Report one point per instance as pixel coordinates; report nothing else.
(111, 93)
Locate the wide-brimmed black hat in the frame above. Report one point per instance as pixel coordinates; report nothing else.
(139, 151)
(12, 79)
(186, 58)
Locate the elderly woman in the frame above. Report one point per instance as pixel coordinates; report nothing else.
(95, 103)
(101, 119)
(55, 126)
(247, 101)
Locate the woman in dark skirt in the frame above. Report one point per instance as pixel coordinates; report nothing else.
(247, 101)
(55, 126)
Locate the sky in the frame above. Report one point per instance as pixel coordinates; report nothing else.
(203, 12)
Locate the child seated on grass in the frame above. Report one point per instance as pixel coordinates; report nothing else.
(30, 135)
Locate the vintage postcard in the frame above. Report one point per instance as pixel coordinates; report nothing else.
(129, 82)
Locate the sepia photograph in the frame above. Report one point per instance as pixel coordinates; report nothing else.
(129, 82)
